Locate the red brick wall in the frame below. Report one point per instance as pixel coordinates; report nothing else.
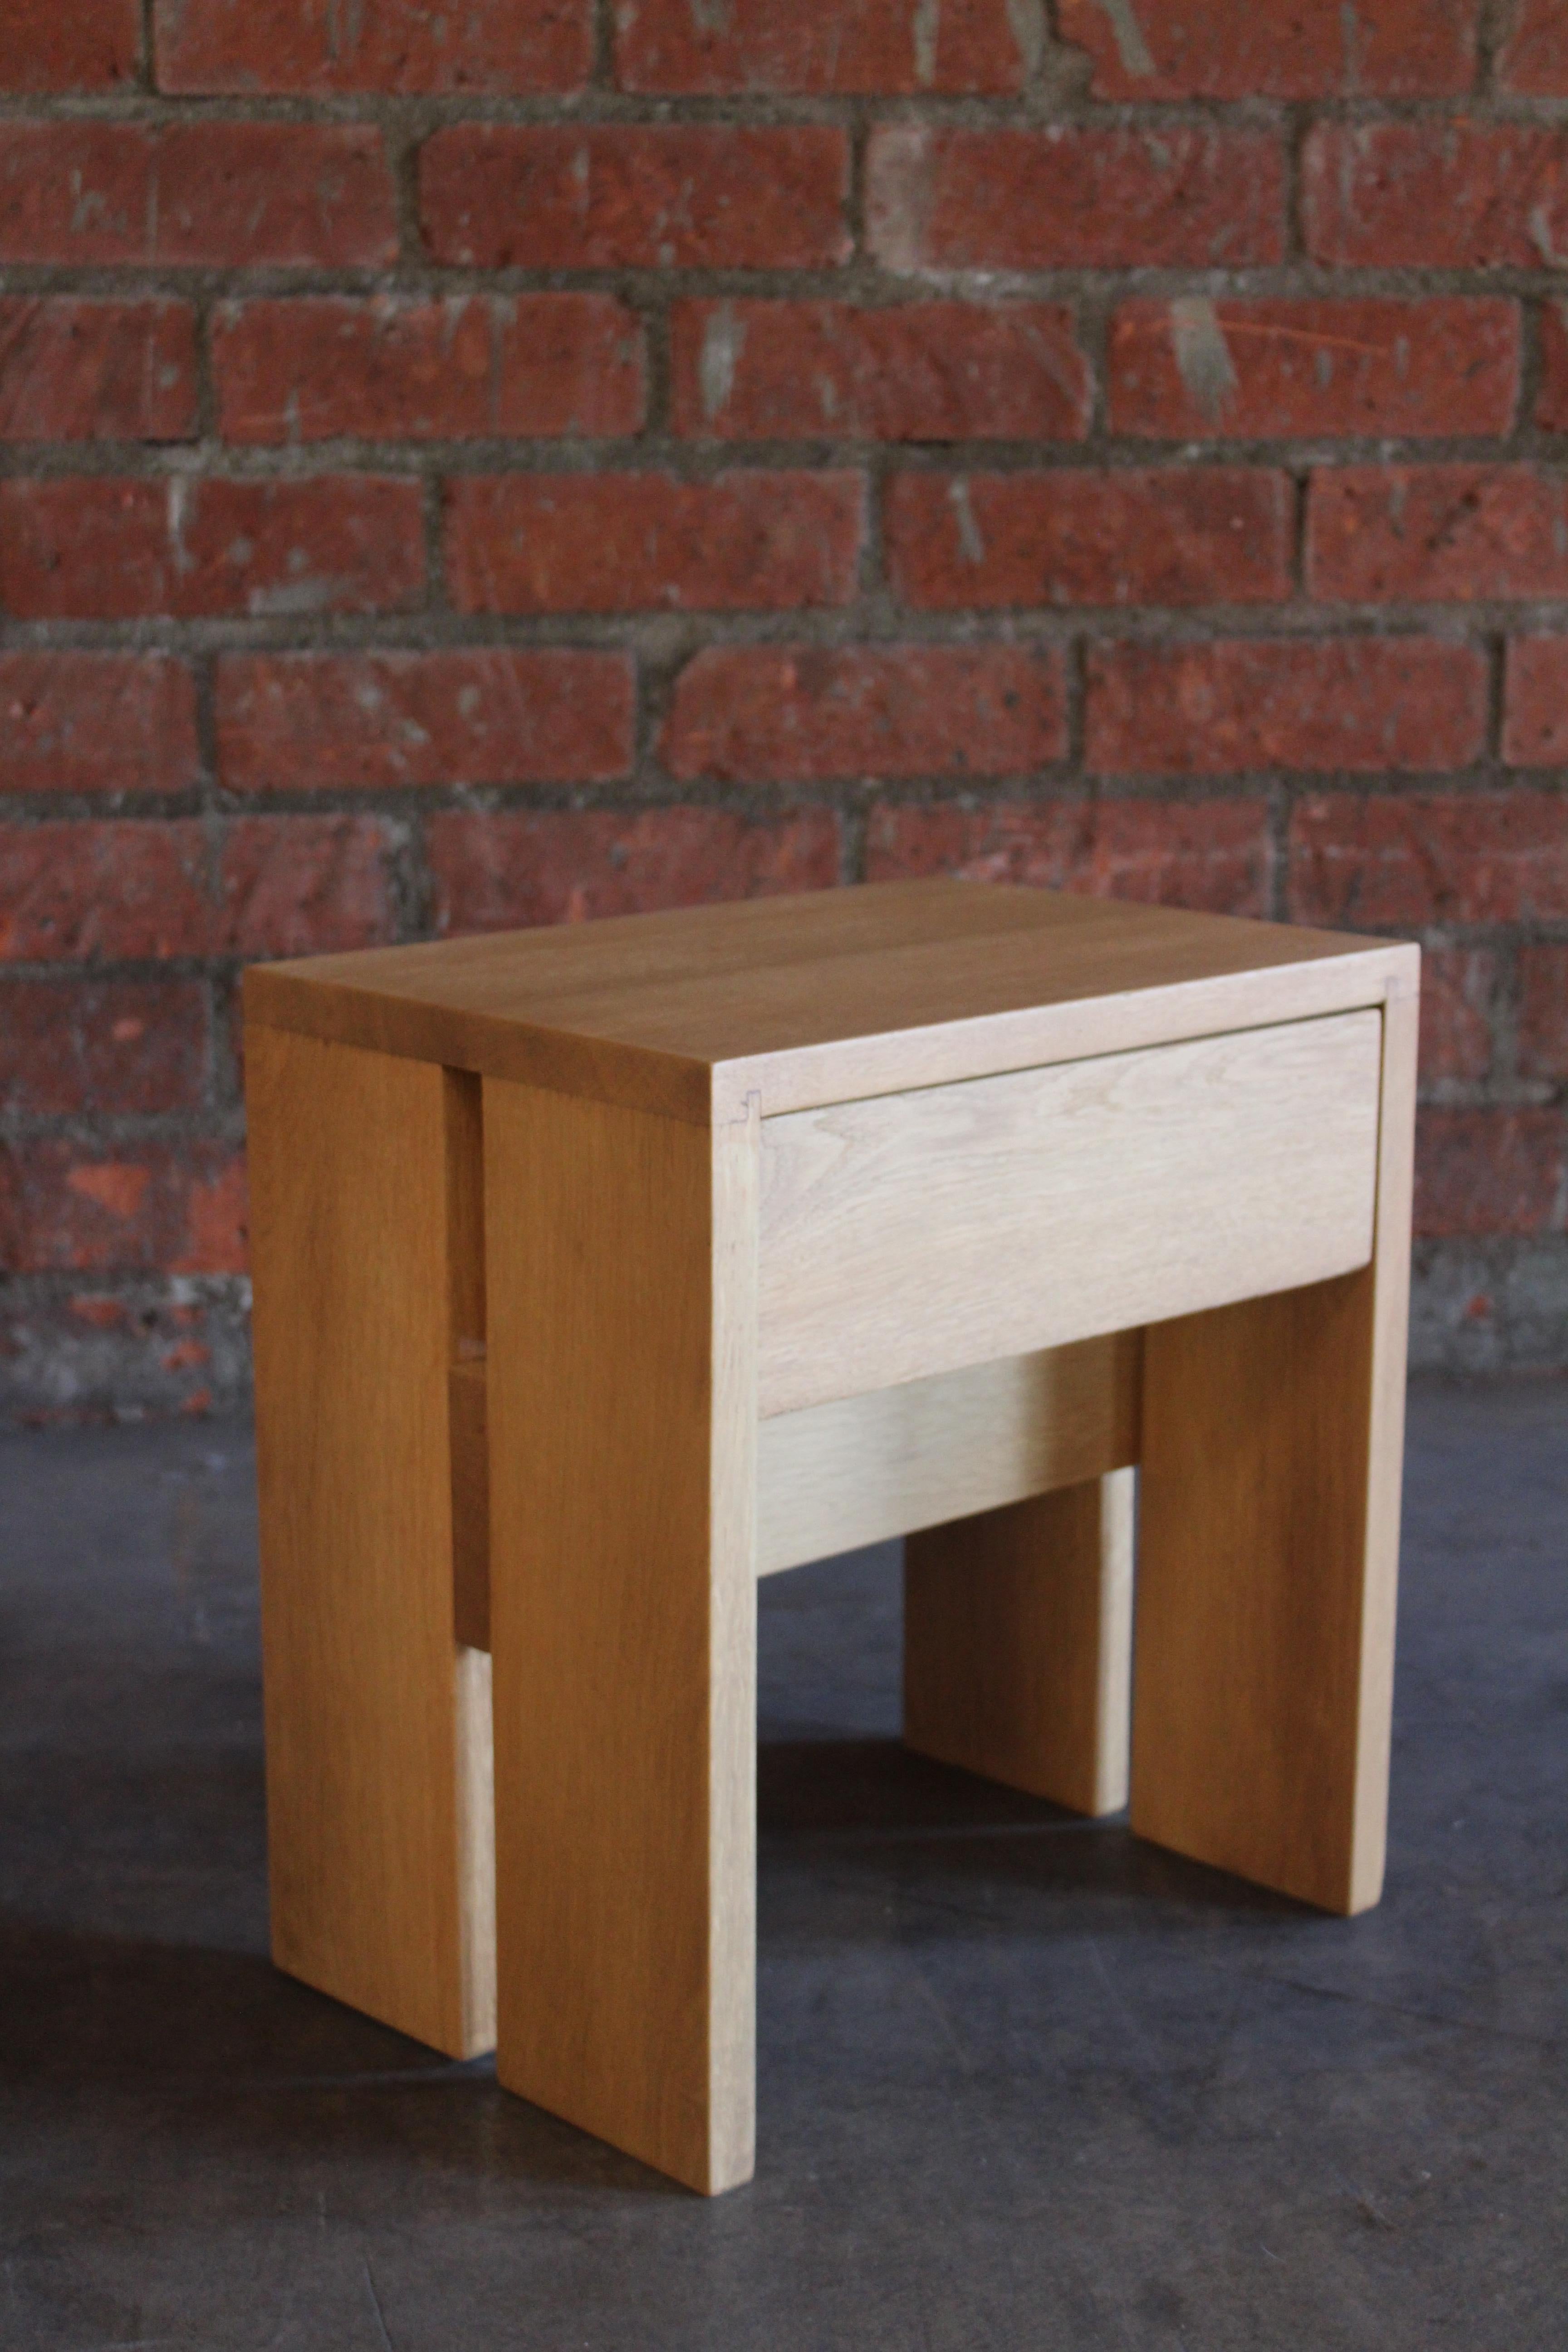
(516, 459)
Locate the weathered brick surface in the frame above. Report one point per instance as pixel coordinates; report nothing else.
(909, 371)
(1552, 400)
(80, 45)
(1214, 854)
(134, 1046)
(209, 195)
(1398, 862)
(131, 891)
(1362, 703)
(892, 47)
(296, 884)
(179, 1208)
(1219, 535)
(549, 457)
(94, 548)
(1490, 1172)
(1193, 368)
(1543, 1011)
(500, 48)
(73, 370)
(389, 370)
(1534, 59)
(708, 197)
(808, 714)
(494, 872)
(1442, 535)
(89, 722)
(301, 722)
(1535, 707)
(107, 890)
(1213, 49)
(1435, 194)
(1459, 1001)
(1073, 198)
(755, 541)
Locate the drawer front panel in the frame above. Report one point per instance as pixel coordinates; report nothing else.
(914, 1234)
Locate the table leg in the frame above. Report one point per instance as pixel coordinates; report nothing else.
(1268, 1548)
(378, 1736)
(1017, 1625)
(621, 1273)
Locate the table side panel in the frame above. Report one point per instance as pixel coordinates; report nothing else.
(377, 1723)
(912, 1235)
(620, 1258)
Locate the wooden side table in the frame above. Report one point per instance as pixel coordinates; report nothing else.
(600, 1269)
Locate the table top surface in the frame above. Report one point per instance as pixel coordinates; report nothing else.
(827, 997)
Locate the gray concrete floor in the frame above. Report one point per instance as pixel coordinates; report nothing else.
(1023, 2082)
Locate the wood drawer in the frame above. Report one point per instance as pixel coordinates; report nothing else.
(912, 1233)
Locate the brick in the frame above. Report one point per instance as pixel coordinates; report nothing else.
(914, 372)
(1533, 60)
(88, 45)
(1209, 855)
(565, 866)
(296, 722)
(118, 891)
(1072, 197)
(1178, 536)
(75, 722)
(647, 542)
(1535, 710)
(122, 1048)
(176, 1208)
(1552, 400)
(1458, 990)
(1212, 48)
(1442, 535)
(1437, 194)
(1195, 368)
(666, 196)
(304, 885)
(882, 47)
(1349, 702)
(1400, 861)
(1488, 1171)
(753, 714)
(74, 371)
(389, 369)
(100, 549)
(207, 195)
(396, 48)
(1543, 1011)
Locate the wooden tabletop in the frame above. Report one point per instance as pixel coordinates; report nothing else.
(827, 997)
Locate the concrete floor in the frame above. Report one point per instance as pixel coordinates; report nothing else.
(1023, 2083)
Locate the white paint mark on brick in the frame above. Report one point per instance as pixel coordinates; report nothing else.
(898, 194)
(1131, 46)
(724, 338)
(969, 538)
(926, 27)
(1203, 355)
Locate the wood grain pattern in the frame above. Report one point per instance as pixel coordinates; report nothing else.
(1017, 1644)
(825, 998)
(621, 1258)
(860, 1469)
(377, 1732)
(914, 1234)
(1268, 1557)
